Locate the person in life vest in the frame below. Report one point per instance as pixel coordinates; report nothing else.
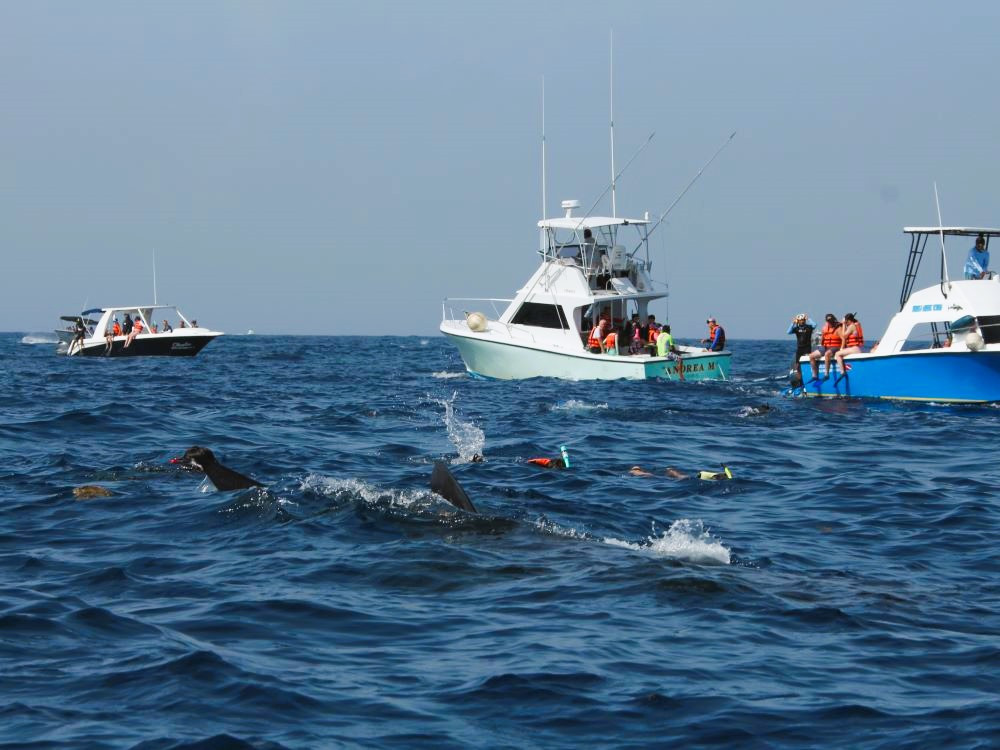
(595, 342)
(562, 462)
(829, 345)
(665, 347)
(853, 339)
(116, 328)
(716, 340)
(136, 330)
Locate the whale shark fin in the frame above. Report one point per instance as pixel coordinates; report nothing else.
(445, 485)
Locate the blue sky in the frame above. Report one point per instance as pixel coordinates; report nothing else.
(334, 168)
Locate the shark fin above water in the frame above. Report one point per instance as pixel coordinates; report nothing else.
(445, 485)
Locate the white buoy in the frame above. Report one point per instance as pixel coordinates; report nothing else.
(974, 340)
(476, 322)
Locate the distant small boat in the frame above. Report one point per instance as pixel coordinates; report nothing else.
(943, 344)
(89, 337)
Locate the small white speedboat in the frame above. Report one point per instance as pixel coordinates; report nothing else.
(165, 332)
(943, 345)
(587, 269)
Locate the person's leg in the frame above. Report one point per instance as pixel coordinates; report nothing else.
(814, 363)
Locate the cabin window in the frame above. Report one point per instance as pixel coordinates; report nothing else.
(989, 327)
(540, 315)
(927, 336)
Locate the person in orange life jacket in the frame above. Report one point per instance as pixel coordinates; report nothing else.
(853, 338)
(651, 330)
(716, 340)
(829, 345)
(136, 330)
(595, 342)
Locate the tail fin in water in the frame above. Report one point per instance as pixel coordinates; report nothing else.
(444, 484)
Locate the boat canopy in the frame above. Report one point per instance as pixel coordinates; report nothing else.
(587, 222)
(953, 231)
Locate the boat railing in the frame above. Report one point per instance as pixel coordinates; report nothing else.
(448, 307)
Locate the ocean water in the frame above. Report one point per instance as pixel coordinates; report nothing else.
(842, 591)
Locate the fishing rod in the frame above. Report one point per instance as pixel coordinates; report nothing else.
(684, 191)
(614, 179)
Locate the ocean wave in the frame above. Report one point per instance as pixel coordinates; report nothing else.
(684, 540)
(40, 338)
(577, 405)
(448, 374)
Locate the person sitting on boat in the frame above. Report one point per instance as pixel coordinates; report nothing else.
(829, 345)
(665, 347)
(194, 323)
(853, 339)
(166, 326)
(127, 325)
(978, 262)
(116, 327)
(716, 340)
(802, 326)
(109, 337)
(136, 330)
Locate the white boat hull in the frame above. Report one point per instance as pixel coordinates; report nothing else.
(506, 360)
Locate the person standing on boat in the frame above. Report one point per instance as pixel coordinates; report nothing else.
(802, 326)
(829, 345)
(978, 262)
(595, 342)
(716, 340)
(665, 347)
(853, 339)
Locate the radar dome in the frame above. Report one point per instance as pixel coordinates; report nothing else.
(476, 322)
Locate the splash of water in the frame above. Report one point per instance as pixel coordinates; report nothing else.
(684, 540)
(467, 438)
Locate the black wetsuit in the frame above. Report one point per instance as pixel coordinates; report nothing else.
(803, 341)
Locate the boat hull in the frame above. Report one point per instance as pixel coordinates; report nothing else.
(161, 345)
(490, 358)
(935, 375)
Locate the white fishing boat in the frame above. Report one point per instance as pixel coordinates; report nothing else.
(587, 269)
(164, 331)
(943, 345)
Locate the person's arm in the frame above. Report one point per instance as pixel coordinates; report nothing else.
(791, 328)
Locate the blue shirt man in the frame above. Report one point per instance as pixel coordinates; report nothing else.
(978, 262)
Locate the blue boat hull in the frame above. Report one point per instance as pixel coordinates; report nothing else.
(958, 377)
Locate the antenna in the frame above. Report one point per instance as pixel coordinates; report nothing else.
(944, 258)
(154, 277)
(684, 191)
(545, 213)
(611, 79)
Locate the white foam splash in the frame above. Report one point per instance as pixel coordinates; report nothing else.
(684, 540)
(577, 405)
(39, 338)
(351, 489)
(467, 438)
(446, 375)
